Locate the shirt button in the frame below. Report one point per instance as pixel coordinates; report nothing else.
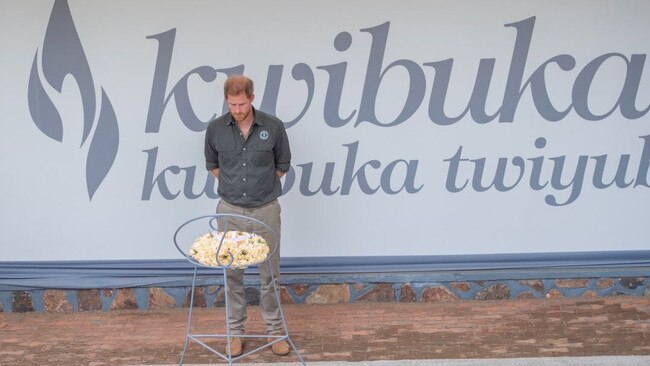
(244, 149)
(244, 194)
(244, 164)
(244, 179)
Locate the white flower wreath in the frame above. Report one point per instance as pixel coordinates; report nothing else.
(246, 249)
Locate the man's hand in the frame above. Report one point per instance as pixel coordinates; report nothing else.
(215, 172)
(279, 173)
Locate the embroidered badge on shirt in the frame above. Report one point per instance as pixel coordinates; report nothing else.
(264, 135)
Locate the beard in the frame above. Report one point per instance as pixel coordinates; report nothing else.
(241, 116)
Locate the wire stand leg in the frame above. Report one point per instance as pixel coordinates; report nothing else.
(284, 322)
(189, 318)
(225, 296)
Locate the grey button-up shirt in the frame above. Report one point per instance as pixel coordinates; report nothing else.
(247, 167)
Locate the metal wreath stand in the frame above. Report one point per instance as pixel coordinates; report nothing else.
(213, 227)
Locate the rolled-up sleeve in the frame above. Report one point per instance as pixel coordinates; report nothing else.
(209, 150)
(282, 151)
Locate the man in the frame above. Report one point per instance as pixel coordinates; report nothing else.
(248, 152)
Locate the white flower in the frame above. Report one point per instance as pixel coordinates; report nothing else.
(246, 249)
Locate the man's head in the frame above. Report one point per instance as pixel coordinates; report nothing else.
(238, 84)
(238, 92)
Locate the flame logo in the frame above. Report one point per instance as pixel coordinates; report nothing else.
(62, 54)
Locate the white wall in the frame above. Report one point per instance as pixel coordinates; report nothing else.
(47, 214)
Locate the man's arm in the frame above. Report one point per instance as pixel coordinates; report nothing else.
(211, 154)
(282, 152)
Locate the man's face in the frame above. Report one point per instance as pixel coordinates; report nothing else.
(239, 106)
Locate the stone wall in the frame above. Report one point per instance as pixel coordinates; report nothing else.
(154, 298)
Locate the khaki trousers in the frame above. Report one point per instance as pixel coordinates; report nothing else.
(270, 215)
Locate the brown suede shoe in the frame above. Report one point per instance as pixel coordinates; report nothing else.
(280, 348)
(236, 346)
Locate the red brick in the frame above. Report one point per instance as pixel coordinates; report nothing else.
(537, 285)
(56, 301)
(299, 290)
(632, 282)
(359, 286)
(604, 283)
(461, 286)
(572, 283)
(407, 294)
(329, 294)
(554, 294)
(220, 299)
(526, 295)
(438, 293)
(22, 302)
(496, 292)
(89, 300)
(159, 300)
(199, 298)
(356, 332)
(285, 298)
(124, 300)
(382, 292)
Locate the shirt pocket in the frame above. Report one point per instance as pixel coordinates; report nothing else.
(263, 155)
(229, 157)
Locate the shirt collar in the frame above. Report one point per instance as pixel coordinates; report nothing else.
(257, 119)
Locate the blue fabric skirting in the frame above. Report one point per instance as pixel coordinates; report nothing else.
(134, 273)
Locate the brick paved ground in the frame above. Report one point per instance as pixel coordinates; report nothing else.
(344, 332)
